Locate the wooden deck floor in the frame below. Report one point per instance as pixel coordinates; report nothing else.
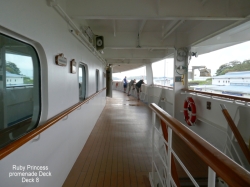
(118, 151)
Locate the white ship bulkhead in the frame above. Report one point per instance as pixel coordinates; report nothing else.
(41, 26)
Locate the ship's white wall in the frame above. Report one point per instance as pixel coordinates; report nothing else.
(149, 73)
(58, 146)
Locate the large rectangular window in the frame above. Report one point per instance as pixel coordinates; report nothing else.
(19, 88)
(225, 71)
(163, 72)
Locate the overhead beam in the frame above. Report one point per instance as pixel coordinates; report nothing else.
(203, 2)
(235, 24)
(114, 26)
(172, 29)
(146, 9)
(141, 27)
(131, 58)
(158, 6)
(135, 54)
(126, 62)
(136, 48)
(158, 18)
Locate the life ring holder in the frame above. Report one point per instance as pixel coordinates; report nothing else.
(189, 111)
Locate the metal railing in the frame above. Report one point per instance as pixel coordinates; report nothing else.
(218, 163)
(231, 99)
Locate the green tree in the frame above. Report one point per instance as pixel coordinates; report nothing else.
(234, 63)
(233, 66)
(12, 68)
(222, 68)
(246, 62)
(27, 80)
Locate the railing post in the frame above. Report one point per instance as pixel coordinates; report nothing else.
(169, 156)
(211, 178)
(153, 147)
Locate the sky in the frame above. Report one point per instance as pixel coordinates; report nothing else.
(212, 60)
(24, 63)
(215, 59)
(136, 72)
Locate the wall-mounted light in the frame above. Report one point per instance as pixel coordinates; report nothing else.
(194, 54)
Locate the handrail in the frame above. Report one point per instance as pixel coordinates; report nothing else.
(219, 95)
(233, 174)
(18, 143)
(236, 133)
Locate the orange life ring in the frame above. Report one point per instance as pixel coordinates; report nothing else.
(189, 111)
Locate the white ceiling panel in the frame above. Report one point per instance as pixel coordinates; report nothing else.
(150, 30)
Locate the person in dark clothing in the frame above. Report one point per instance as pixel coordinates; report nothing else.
(131, 84)
(138, 88)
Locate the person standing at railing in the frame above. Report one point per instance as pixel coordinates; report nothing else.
(138, 87)
(125, 84)
(131, 83)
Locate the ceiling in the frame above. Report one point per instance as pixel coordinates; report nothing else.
(137, 32)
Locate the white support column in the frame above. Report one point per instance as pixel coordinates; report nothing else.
(180, 70)
(149, 74)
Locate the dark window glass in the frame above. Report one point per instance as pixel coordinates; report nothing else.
(82, 75)
(97, 80)
(20, 99)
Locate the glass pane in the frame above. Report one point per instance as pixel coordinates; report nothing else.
(19, 85)
(19, 70)
(82, 81)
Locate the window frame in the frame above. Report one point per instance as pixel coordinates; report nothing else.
(86, 78)
(37, 95)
